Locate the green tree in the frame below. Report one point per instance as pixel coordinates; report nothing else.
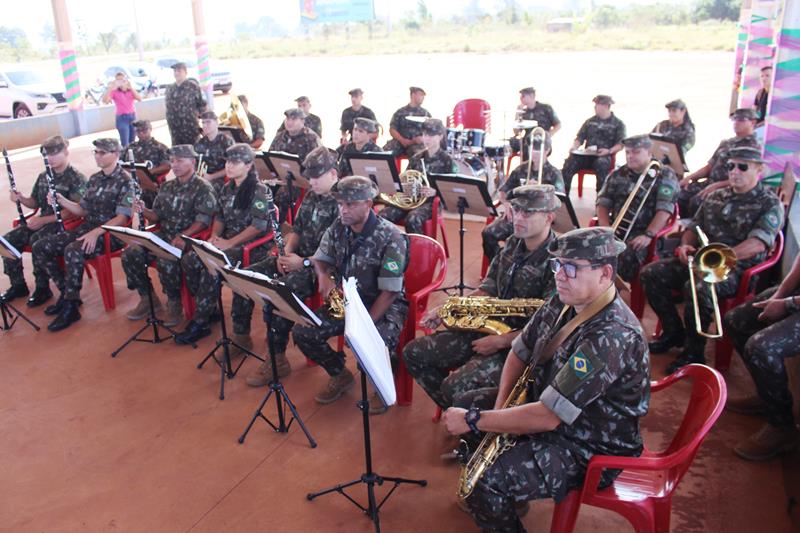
(717, 10)
(108, 40)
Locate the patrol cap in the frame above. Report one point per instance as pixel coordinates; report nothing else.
(533, 198)
(185, 151)
(548, 143)
(240, 152)
(142, 124)
(744, 113)
(353, 189)
(413, 89)
(318, 161)
(637, 141)
(54, 144)
(676, 104)
(179, 65)
(355, 92)
(295, 112)
(366, 124)
(208, 115)
(302, 99)
(603, 99)
(433, 126)
(746, 153)
(108, 144)
(527, 90)
(587, 243)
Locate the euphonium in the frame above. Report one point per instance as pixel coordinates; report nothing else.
(335, 302)
(410, 196)
(478, 313)
(236, 117)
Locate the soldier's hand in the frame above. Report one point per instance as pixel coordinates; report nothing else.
(416, 140)
(431, 319)
(684, 251)
(325, 286)
(773, 309)
(289, 263)
(603, 151)
(454, 421)
(428, 192)
(489, 345)
(219, 242)
(35, 222)
(14, 196)
(640, 242)
(178, 242)
(89, 240)
(685, 181)
(138, 206)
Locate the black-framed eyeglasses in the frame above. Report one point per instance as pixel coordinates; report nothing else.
(570, 269)
(741, 166)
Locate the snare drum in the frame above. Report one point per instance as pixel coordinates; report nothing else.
(455, 140)
(471, 165)
(497, 152)
(475, 139)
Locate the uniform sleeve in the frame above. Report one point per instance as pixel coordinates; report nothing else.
(620, 133)
(717, 153)
(163, 155)
(689, 141)
(342, 126)
(227, 143)
(525, 342)
(514, 179)
(699, 215)
(370, 114)
(37, 186)
(259, 132)
(259, 210)
(125, 197)
(301, 222)
(326, 251)
(205, 204)
(393, 264)
(555, 179)
(769, 223)
(583, 132)
(605, 197)
(200, 103)
(553, 117)
(394, 123)
(489, 283)
(667, 192)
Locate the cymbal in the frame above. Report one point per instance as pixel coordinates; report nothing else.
(525, 124)
(413, 118)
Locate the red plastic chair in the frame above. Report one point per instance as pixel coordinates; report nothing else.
(105, 274)
(584, 171)
(637, 292)
(642, 493)
(471, 113)
(436, 222)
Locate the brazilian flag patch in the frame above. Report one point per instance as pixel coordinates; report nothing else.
(772, 220)
(392, 266)
(666, 190)
(259, 204)
(580, 364)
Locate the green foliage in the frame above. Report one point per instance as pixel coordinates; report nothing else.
(717, 10)
(607, 17)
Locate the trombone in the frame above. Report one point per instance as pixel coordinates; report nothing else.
(539, 132)
(712, 263)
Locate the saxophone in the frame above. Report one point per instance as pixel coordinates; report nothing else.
(335, 302)
(475, 313)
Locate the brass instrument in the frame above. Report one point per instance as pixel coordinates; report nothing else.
(235, 118)
(202, 167)
(410, 197)
(626, 218)
(475, 313)
(335, 302)
(712, 263)
(539, 132)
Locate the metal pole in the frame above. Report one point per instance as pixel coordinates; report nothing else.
(139, 47)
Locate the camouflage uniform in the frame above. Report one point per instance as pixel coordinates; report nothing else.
(407, 129)
(597, 383)
(728, 218)
(178, 206)
(349, 115)
(350, 148)
(71, 184)
(257, 127)
(662, 197)
(184, 104)
(213, 152)
(149, 150)
(683, 134)
(545, 117)
(603, 133)
(311, 121)
(301, 145)
(105, 198)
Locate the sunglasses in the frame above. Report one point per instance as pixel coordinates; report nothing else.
(741, 166)
(570, 269)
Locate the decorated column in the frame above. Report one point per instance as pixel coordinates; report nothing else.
(742, 31)
(201, 48)
(66, 56)
(760, 48)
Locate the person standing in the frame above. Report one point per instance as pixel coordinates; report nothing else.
(122, 93)
(184, 102)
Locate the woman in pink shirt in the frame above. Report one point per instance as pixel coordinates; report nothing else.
(123, 94)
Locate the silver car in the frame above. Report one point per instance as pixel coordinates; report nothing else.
(221, 78)
(27, 92)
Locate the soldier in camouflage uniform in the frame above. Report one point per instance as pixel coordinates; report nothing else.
(350, 114)
(654, 214)
(746, 216)
(242, 217)
(502, 227)
(407, 135)
(184, 102)
(521, 270)
(530, 109)
(185, 205)
(587, 392)
(604, 131)
(679, 126)
(430, 159)
(107, 201)
(765, 332)
(364, 246)
(69, 183)
(147, 148)
(310, 120)
(212, 146)
(696, 186)
(256, 125)
(361, 143)
(317, 212)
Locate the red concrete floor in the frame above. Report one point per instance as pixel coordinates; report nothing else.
(142, 443)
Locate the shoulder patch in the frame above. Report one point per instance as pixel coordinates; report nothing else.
(580, 364)
(772, 220)
(259, 204)
(391, 265)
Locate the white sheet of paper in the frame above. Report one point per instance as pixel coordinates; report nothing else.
(8, 250)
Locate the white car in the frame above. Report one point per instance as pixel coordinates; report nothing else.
(142, 75)
(221, 78)
(27, 92)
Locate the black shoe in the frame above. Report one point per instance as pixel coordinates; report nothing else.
(56, 307)
(685, 359)
(215, 317)
(194, 331)
(68, 314)
(40, 295)
(14, 292)
(665, 342)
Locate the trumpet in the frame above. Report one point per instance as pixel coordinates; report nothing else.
(537, 132)
(712, 263)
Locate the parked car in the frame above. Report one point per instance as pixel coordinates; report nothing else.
(142, 76)
(221, 78)
(25, 92)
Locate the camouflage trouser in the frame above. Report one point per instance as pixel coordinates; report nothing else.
(313, 341)
(430, 359)
(20, 237)
(302, 282)
(184, 131)
(659, 279)
(688, 201)
(531, 470)
(414, 219)
(47, 250)
(135, 261)
(398, 149)
(600, 165)
(629, 261)
(764, 346)
(499, 230)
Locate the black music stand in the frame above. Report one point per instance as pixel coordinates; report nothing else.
(288, 168)
(669, 151)
(162, 250)
(10, 313)
(373, 361)
(277, 298)
(215, 261)
(380, 167)
(467, 194)
(566, 219)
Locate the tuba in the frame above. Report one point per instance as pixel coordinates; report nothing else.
(479, 313)
(410, 197)
(712, 263)
(235, 118)
(626, 218)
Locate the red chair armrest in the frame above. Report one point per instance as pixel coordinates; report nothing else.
(26, 216)
(747, 276)
(254, 244)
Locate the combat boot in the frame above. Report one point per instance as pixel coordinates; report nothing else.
(40, 295)
(14, 292)
(53, 310)
(66, 316)
(746, 405)
(376, 406)
(174, 313)
(263, 373)
(665, 342)
(684, 359)
(768, 442)
(142, 309)
(336, 387)
(244, 340)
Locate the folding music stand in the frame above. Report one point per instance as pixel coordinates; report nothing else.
(288, 169)
(162, 250)
(669, 151)
(10, 313)
(380, 167)
(467, 194)
(373, 362)
(215, 261)
(566, 219)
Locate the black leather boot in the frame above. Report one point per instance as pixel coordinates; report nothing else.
(14, 292)
(40, 295)
(66, 317)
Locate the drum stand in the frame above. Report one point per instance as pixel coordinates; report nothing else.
(462, 205)
(10, 315)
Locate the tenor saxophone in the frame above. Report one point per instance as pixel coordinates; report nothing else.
(480, 313)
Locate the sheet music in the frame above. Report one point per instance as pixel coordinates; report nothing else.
(7, 250)
(149, 236)
(367, 344)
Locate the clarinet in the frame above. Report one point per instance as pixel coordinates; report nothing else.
(51, 188)
(276, 227)
(137, 189)
(22, 221)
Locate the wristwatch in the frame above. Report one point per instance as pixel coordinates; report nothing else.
(306, 262)
(472, 417)
(650, 234)
(791, 304)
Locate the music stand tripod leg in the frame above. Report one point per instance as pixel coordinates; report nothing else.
(462, 205)
(7, 310)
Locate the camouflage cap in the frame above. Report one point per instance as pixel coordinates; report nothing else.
(142, 124)
(108, 144)
(603, 99)
(587, 243)
(527, 90)
(746, 153)
(179, 65)
(676, 104)
(295, 112)
(318, 161)
(368, 125)
(353, 189)
(185, 151)
(413, 89)
(208, 115)
(433, 126)
(54, 144)
(744, 113)
(240, 152)
(355, 92)
(548, 143)
(302, 99)
(637, 141)
(532, 198)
